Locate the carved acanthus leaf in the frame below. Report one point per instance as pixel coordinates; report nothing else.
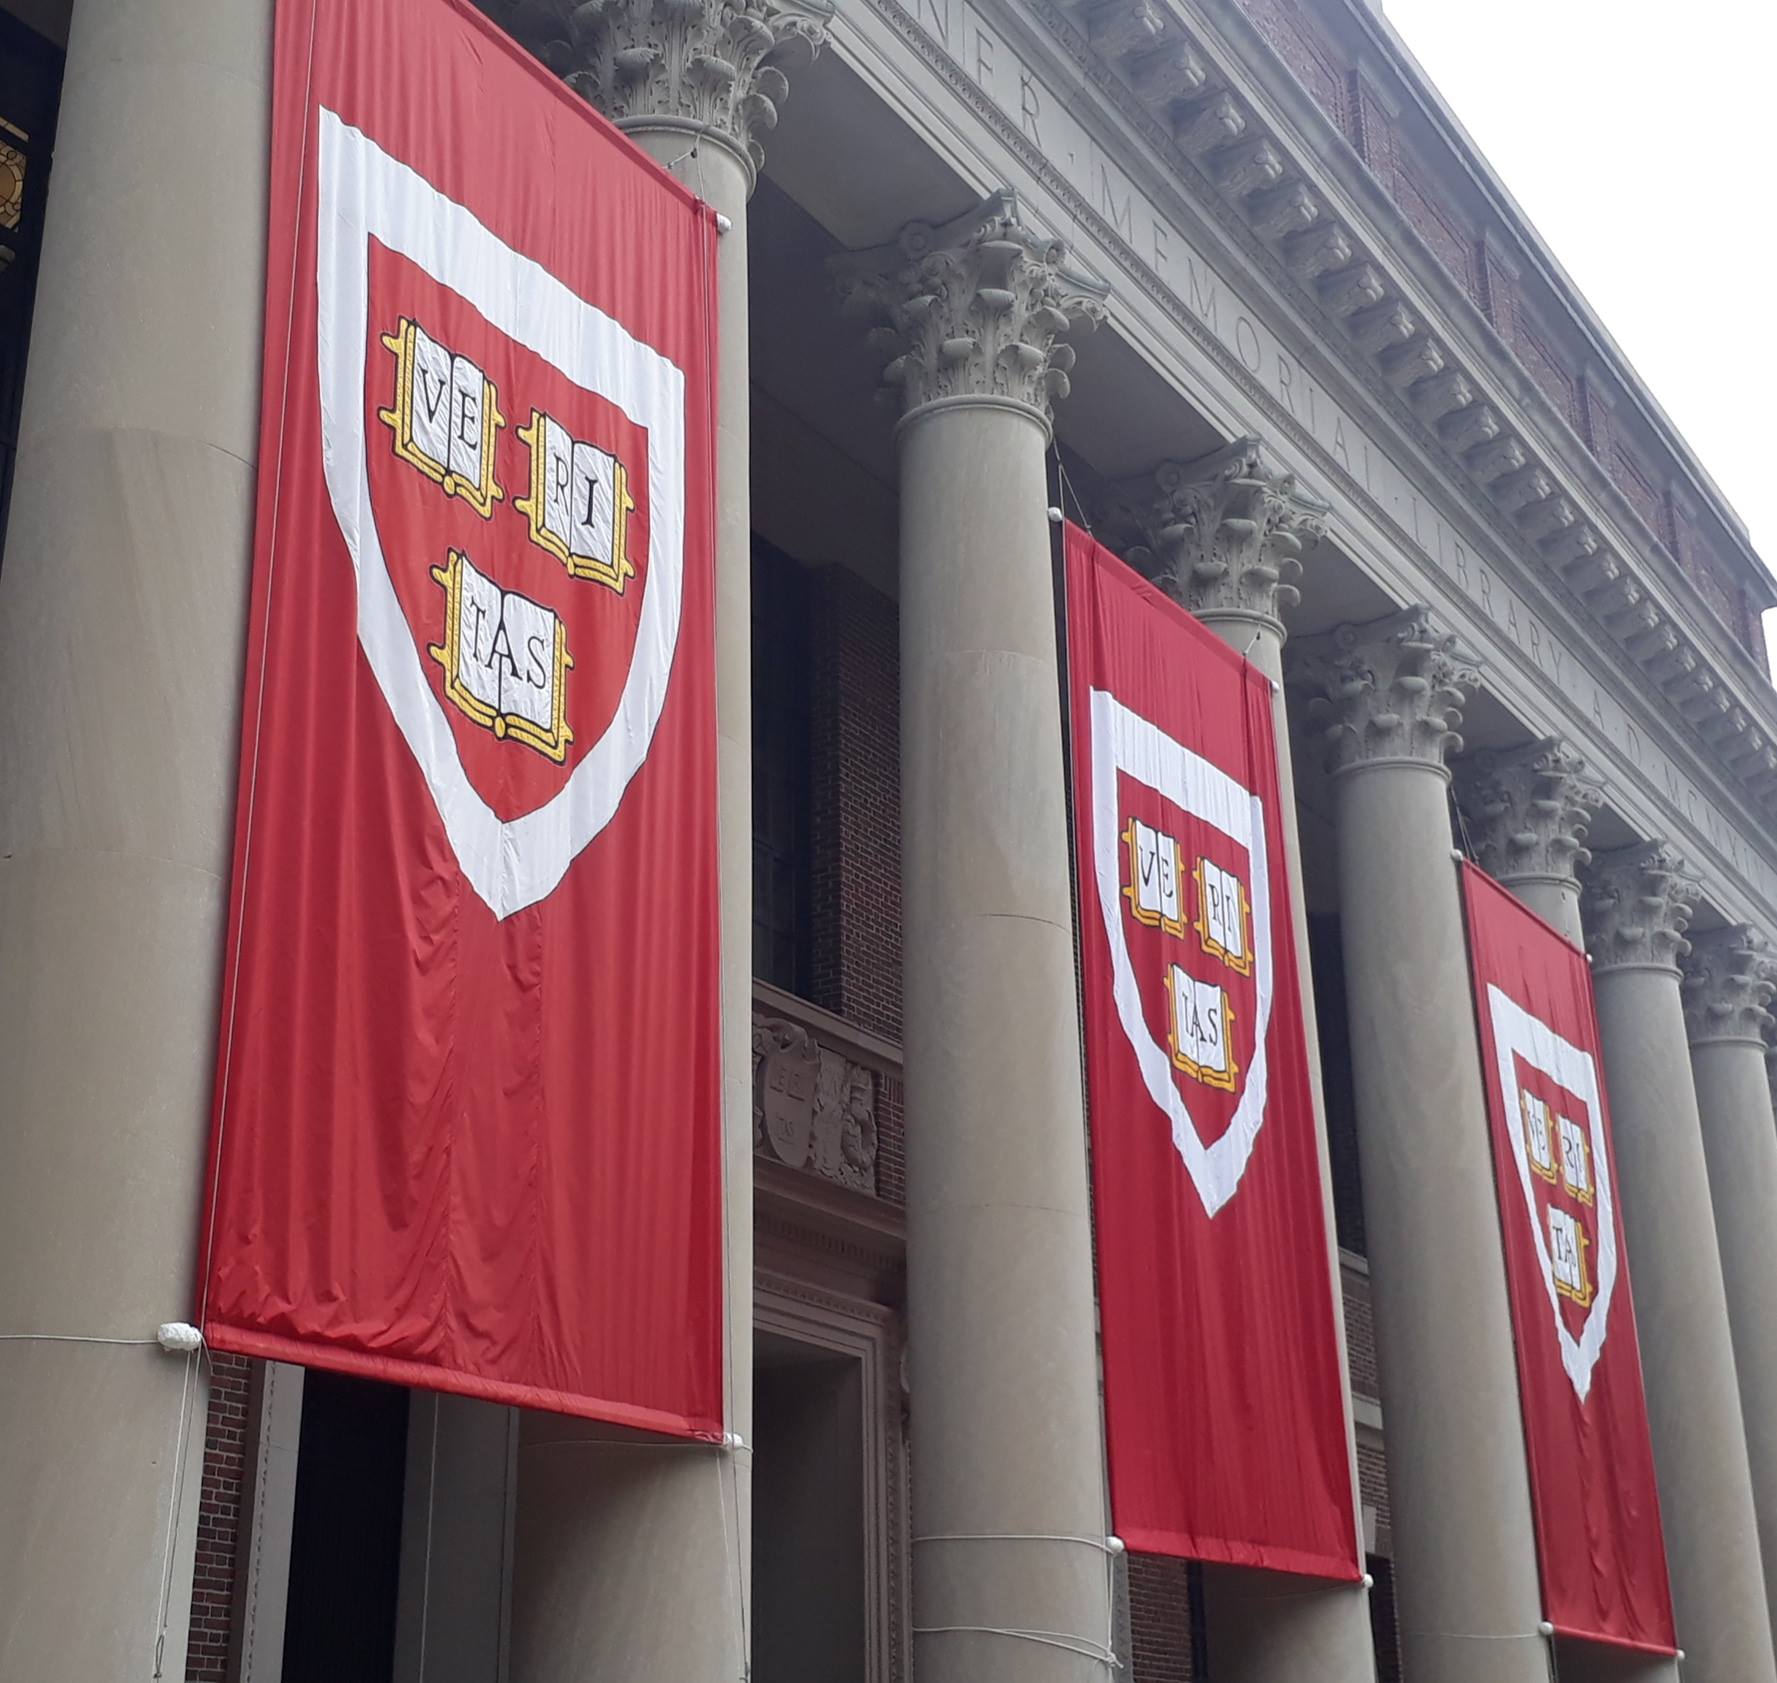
(1527, 811)
(717, 67)
(973, 309)
(1392, 690)
(1223, 535)
(1637, 904)
(1728, 983)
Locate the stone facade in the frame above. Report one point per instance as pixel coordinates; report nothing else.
(1320, 334)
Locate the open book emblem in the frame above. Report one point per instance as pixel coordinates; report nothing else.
(1182, 879)
(1550, 1087)
(507, 467)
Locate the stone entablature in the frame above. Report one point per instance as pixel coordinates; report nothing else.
(1372, 94)
(1664, 706)
(1360, 283)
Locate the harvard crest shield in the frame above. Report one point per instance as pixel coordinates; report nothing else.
(506, 464)
(1181, 870)
(1549, 1088)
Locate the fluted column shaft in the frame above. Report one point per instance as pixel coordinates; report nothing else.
(1006, 1432)
(1727, 989)
(631, 1564)
(122, 622)
(1464, 1555)
(1224, 536)
(1637, 905)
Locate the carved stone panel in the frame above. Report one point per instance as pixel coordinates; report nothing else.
(813, 1108)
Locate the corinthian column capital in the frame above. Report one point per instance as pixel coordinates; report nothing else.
(1637, 904)
(1390, 692)
(1728, 983)
(973, 311)
(1528, 810)
(1223, 535)
(715, 68)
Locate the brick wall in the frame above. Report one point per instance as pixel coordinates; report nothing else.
(855, 794)
(1384, 1623)
(219, 1519)
(855, 828)
(1160, 1597)
(1360, 1332)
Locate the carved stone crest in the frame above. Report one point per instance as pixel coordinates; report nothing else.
(812, 1107)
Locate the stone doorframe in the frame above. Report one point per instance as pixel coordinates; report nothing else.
(870, 1334)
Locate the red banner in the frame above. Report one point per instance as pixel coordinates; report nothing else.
(1225, 1420)
(1579, 1363)
(467, 1129)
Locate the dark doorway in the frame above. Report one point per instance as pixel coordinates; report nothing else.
(808, 1515)
(345, 1547)
(30, 93)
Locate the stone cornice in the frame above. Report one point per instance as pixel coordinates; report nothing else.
(1387, 693)
(1637, 904)
(1222, 535)
(972, 311)
(1169, 84)
(1527, 811)
(1728, 983)
(1602, 353)
(1324, 141)
(709, 67)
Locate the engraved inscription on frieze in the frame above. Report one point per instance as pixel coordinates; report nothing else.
(1134, 233)
(813, 1108)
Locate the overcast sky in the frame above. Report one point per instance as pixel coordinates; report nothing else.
(1640, 141)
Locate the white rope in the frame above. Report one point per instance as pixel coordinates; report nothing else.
(1083, 1646)
(426, 1569)
(176, 1500)
(635, 1443)
(1109, 1546)
(67, 1338)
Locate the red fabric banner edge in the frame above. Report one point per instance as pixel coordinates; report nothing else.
(241, 1341)
(1176, 1545)
(1622, 1644)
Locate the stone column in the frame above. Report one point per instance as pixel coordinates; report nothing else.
(1728, 977)
(1465, 1559)
(1224, 536)
(1007, 1441)
(1526, 813)
(122, 624)
(634, 1563)
(1637, 905)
